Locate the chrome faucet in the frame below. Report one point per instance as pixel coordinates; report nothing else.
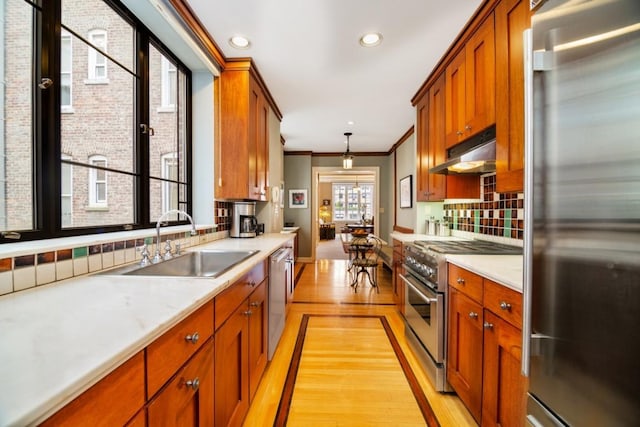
(157, 257)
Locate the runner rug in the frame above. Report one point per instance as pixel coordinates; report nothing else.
(350, 370)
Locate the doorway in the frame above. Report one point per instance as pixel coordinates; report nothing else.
(342, 197)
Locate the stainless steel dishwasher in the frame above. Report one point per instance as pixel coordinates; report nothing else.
(280, 274)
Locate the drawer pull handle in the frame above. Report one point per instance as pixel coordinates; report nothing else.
(505, 306)
(194, 384)
(488, 325)
(473, 315)
(247, 313)
(255, 304)
(192, 338)
(460, 281)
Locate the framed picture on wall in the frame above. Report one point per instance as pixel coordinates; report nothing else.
(298, 199)
(405, 192)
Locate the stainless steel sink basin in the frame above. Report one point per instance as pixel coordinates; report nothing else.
(205, 263)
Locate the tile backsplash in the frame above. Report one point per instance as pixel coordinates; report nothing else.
(29, 270)
(495, 214)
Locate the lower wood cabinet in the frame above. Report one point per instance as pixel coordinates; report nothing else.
(464, 359)
(178, 369)
(398, 269)
(485, 348)
(187, 400)
(241, 350)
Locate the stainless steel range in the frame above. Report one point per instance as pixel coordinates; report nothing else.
(426, 297)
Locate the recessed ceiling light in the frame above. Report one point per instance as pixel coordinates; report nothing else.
(239, 42)
(350, 123)
(371, 39)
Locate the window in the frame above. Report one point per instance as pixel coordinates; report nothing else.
(169, 84)
(66, 61)
(98, 181)
(97, 61)
(352, 202)
(112, 176)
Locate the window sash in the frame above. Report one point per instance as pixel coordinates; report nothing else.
(97, 61)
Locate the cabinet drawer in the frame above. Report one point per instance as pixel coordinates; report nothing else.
(229, 299)
(504, 302)
(112, 401)
(466, 282)
(169, 352)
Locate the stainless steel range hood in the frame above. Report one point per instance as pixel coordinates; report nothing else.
(476, 155)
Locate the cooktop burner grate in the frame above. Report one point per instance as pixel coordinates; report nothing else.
(480, 247)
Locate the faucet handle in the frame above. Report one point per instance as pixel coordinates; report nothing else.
(167, 250)
(144, 252)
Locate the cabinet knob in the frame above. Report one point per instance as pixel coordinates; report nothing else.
(460, 281)
(467, 127)
(459, 133)
(505, 305)
(473, 315)
(194, 383)
(488, 325)
(193, 338)
(247, 313)
(255, 304)
(252, 283)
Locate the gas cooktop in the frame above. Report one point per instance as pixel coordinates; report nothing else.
(479, 247)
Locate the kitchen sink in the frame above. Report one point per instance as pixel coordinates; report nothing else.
(204, 263)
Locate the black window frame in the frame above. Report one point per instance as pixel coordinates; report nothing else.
(47, 165)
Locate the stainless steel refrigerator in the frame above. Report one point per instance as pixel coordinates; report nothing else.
(581, 346)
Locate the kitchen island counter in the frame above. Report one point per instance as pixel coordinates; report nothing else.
(60, 339)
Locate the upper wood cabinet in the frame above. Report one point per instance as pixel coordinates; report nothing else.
(512, 18)
(242, 143)
(470, 86)
(430, 143)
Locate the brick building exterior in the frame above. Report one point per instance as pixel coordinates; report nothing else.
(98, 124)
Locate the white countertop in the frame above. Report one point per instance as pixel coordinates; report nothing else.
(58, 340)
(503, 269)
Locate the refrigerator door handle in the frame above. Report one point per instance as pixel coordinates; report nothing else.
(528, 198)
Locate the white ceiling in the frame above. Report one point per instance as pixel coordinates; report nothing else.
(318, 74)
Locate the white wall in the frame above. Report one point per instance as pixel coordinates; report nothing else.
(202, 147)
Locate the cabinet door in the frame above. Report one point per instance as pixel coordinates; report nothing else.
(464, 358)
(422, 146)
(187, 400)
(504, 388)
(232, 369)
(258, 143)
(455, 100)
(437, 153)
(258, 335)
(480, 78)
(512, 18)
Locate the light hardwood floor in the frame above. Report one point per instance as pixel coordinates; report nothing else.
(323, 289)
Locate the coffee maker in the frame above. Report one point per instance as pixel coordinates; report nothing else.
(244, 222)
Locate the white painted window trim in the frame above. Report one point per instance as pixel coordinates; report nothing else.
(66, 36)
(93, 182)
(169, 72)
(166, 160)
(92, 78)
(68, 194)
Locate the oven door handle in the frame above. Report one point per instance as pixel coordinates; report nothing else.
(418, 291)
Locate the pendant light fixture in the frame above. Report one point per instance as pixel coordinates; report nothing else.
(347, 158)
(356, 188)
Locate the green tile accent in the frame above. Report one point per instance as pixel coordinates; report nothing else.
(80, 252)
(455, 219)
(476, 221)
(148, 240)
(507, 223)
